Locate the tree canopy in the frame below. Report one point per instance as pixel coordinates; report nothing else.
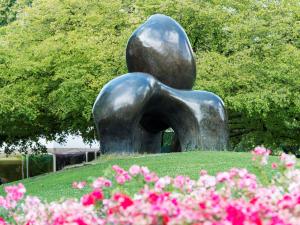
(55, 56)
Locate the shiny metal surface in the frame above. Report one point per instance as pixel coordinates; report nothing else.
(161, 48)
(132, 110)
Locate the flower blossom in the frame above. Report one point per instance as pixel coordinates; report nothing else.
(78, 185)
(15, 192)
(2, 221)
(92, 198)
(288, 161)
(101, 182)
(262, 153)
(121, 175)
(134, 170)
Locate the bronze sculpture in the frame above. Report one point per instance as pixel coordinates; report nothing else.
(133, 110)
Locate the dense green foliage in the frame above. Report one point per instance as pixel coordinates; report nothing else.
(57, 55)
(55, 186)
(10, 8)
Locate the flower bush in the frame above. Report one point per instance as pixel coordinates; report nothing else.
(234, 197)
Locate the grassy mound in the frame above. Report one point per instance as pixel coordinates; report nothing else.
(55, 186)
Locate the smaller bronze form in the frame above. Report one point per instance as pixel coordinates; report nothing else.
(161, 48)
(133, 110)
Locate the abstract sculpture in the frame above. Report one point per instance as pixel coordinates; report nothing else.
(133, 110)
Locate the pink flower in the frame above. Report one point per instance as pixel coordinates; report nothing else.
(179, 182)
(120, 179)
(262, 153)
(79, 185)
(2, 221)
(145, 170)
(92, 198)
(235, 216)
(162, 183)
(118, 169)
(260, 150)
(88, 200)
(124, 200)
(288, 161)
(277, 221)
(97, 194)
(122, 175)
(101, 182)
(134, 170)
(15, 192)
(165, 219)
(223, 176)
(153, 197)
(80, 221)
(274, 165)
(151, 177)
(127, 176)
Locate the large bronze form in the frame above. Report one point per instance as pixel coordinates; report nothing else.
(133, 110)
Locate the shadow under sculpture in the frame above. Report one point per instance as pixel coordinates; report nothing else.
(133, 110)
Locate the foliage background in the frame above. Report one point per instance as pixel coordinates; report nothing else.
(55, 56)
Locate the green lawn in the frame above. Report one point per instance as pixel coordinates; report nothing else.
(57, 185)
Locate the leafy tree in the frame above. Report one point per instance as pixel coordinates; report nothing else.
(57, 55)
(10, 8)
